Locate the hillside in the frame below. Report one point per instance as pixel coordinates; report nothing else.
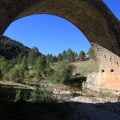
(86, 67)
(9, 49)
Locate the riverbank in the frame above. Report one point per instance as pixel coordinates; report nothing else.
(80, 104)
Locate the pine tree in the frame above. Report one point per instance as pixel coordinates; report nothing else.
(40, 63)
(32, 56)
(24, 63)
(70, 55)
(81, 56)
(75, 56)
(64, 54)
(91, 54)
(60, 57)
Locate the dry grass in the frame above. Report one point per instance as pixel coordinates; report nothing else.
(86, 67)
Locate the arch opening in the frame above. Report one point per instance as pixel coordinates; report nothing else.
(59, 31)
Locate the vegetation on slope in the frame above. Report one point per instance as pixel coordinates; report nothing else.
(18, 63)
(10, 49)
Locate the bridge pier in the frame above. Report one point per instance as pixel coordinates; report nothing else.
(108, 77)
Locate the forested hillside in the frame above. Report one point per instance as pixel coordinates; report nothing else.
(19, 63)
(10, 49)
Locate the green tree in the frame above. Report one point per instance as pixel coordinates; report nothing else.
(19, 58)
(81, 56)
(40, 66)
(32, 56)
(70, 55)
(4, 66)
(50, 58)
(59, 57)
(54, 59)
(91, 53)
(16, 74)
(40, 63)
(63, 71)
(50, 71)
(64, 54)
(42, 95)
(10, 49)
(24, 63)
(75, 56)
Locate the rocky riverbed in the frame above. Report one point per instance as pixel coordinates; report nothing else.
(90, 107)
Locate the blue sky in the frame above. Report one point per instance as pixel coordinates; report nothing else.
(52, 34)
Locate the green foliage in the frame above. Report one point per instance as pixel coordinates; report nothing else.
(16, 74)
(1, 75)
(69, 55)
(19, 58)
(75, 56)
(81, 56)
(64, 54)
(63, 71)
(4, 67)
(18, 95)
(26, 109)
(51, 59)
(10, 48)
(60, 57)
(22, 95)
(38, 75)
(32, 56)
(50, 71)
(42, 95)
(24, 63)
(92, 54)
(40, 64)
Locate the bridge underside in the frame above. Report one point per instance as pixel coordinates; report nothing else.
(92, 17)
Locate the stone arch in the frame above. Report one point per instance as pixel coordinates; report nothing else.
(92, 17)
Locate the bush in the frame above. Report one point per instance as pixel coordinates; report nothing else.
(22, 95)
(42, 95)
(18, 96)
(17, 74)
(63, 71)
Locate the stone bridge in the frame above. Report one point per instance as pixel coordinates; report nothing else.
(92, 17)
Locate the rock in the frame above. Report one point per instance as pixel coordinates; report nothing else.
(75, 74)
(91, 82)
(46, 85)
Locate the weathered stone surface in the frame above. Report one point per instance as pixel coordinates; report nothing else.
(92, 17)
(91, 82)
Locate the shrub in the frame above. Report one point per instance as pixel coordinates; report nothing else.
(63, 71)
(18, 95)
(42, 95)
(17, 74)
